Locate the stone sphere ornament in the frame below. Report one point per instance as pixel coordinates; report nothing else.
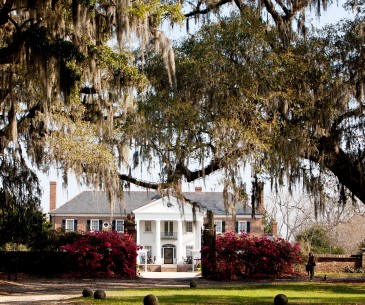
(87, 292)
(150, 299)
(281, 299)
(99, 294)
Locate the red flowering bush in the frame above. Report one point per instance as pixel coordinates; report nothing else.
(103, 252)
(244, 256)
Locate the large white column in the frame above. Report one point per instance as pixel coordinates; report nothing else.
(198, 237)
(179, 241)
(158, 242)
(138, 241)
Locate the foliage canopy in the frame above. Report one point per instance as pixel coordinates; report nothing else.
(75, 95)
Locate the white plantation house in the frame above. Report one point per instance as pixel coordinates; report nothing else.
(168, 229)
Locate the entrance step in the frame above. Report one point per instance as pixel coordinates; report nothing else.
(169, 268)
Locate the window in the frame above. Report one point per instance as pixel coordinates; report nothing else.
(189, 226)
(94, 225)
(189, 251)
(148, 226)
(169, 227)
(242, 227)
(119, 225)
(149, 252)
(70, 225)
(218, 226)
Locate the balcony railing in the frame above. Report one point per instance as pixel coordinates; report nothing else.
(169, 235)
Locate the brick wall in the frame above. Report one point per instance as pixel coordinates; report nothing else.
(337, 263)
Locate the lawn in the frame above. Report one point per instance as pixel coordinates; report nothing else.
(297, 293)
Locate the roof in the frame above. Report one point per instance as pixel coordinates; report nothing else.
(96, 202)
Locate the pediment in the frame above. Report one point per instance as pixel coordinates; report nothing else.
(166, 206)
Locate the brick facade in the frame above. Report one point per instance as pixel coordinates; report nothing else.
(82, 221)
(256, 224)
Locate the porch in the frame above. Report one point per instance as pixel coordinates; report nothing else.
(166, 268)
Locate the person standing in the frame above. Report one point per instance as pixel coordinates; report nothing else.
(311, 264)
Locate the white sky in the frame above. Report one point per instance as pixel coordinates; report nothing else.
(333, 14)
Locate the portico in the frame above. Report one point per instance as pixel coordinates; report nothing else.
(169, 229)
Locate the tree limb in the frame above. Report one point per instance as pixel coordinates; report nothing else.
(198, 11)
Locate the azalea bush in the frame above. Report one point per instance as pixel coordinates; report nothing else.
(103, 252)
(245, 256)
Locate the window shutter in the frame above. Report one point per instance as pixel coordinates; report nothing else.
(223, 226)
(248, 227)
(113, 225)
(88, 225)
(75, 225)
(236, 227)
(100, 225)
(63, 225)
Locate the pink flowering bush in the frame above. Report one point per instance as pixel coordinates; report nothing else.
(103, 252)
(245, 256)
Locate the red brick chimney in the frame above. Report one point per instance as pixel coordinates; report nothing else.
(52, 195)
(274, 227)
(198, 189)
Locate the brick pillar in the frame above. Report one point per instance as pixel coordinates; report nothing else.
(52, 195)
(274, 228)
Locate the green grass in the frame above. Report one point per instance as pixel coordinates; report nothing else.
(297, 293)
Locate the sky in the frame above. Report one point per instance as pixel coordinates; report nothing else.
(333, 14)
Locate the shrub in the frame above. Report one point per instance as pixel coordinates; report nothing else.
(245, 256)
(103, 252)
(349, 269)
(193, 284)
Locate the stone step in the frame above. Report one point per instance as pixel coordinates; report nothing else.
(169, 268)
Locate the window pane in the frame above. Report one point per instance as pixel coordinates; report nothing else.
(149, 252)
(94, 225)
(69, 225)
(189, 251)
(119, 225)
(147, 226)
(242, 226)
(218, 226)
(189, 226)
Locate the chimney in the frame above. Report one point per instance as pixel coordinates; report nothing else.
(52, 195)
(198, 189)
(274, 228)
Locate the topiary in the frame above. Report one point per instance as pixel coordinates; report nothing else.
(193, 284)
(281, 299)
(87, 292)
(150, 299)
(99, 294)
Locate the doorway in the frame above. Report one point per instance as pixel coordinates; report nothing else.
(168, 255)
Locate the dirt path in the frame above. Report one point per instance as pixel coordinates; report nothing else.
(32, 290)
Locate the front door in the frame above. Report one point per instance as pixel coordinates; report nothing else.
(168, 254)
